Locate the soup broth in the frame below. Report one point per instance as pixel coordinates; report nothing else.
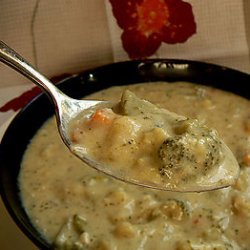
(76, 207)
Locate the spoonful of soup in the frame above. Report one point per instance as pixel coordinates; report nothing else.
(135, 141)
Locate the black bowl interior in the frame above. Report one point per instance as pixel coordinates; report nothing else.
(30, 119)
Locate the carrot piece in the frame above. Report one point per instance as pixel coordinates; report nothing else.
(246, 160)
(102, 116)
(76, 135)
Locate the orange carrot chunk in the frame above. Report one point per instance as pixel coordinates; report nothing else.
(246, 160)
(102, 116)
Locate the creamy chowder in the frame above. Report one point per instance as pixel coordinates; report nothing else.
(76, 207)
(160, 149)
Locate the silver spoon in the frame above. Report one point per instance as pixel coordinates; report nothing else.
(67, 109)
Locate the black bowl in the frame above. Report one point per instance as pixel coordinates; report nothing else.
(30, 119)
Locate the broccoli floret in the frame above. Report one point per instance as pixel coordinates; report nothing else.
(192, 148)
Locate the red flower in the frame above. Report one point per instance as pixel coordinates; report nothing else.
(148, 23)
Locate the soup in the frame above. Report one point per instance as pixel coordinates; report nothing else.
(76, 207)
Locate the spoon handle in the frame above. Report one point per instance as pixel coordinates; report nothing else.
(17, 62)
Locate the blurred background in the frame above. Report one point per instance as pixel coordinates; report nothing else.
(63, 36)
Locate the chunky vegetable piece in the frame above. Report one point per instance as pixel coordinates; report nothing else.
(158, 147)
(73, 234)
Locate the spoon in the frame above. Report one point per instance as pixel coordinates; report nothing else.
(67, 109)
